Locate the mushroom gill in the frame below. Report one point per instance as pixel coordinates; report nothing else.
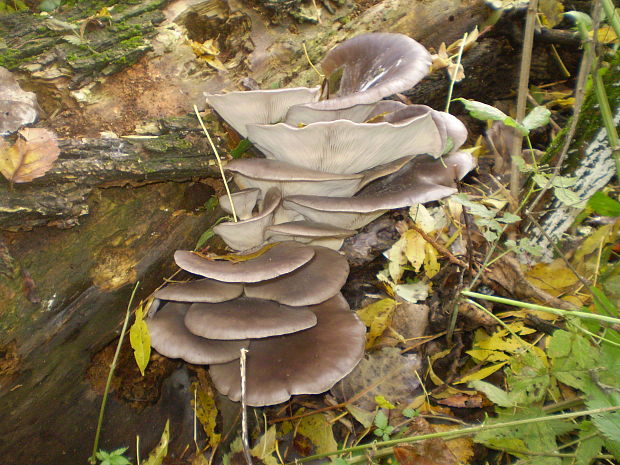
(331, 167)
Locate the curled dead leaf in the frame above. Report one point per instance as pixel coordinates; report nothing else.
(17, 107)
(30, 157)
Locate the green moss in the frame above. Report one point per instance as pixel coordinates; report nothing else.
(167, 143)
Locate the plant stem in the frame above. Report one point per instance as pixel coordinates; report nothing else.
(524, 77)
(612, 16)
(542, 308)
(456, 72)
(219, 164)
(93, 458)
(451, 434)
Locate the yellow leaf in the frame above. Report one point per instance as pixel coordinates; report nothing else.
(30, 157)
(382, 402)
(265, 447)
(462, 448)
(319, 431)
(431, 265)
(377, 317)
(551, 11)
(482, 373)
(422, 218)
(140, 340)
(552, 277)
(241, 257)
(414, 248)
(206, 410)
(397, 258)
(604, 235)
(485, 355)
(157, 455)
(606, 35)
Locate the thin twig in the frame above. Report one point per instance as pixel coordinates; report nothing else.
(93, 457)
(524, 78)
(219, 164)
(245, 437)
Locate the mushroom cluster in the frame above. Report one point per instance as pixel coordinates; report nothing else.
(325, 148)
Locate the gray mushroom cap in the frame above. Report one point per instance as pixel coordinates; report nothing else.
(318, 280)
(246, 318)
(200, 290)
(422, 180)
(306, 362)
(363, 113)
(244, 202)
(171, 338)
(345, 147)
(292, 179)
(374, 66)
(259, 106)
(248, 234)
(278, 260)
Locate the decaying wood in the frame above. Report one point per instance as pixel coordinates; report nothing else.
(60, 197)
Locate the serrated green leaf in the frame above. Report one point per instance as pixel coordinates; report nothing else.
(482, 111)
(589, 445)
(572, 356)
(508, 218)
(569, 198)
(381, 420)
(140, 340)
(563, 181)
(604, 205)
(536, 118)
(496, 395)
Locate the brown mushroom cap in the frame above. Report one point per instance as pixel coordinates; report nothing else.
(374, 66)
(245, 318)
(345, 147)
(171, 338)
(200, 290)
(315, 282)
(306, 362)
(248, 234)
(259, 106)
(278, 260)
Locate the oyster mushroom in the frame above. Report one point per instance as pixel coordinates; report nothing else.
(372, 66)
(278, 260)
(170, 337)
(346, 147)
(248, 234)
(244, 202)
(246, 318)
(302, 115)
(305, 362)
(200, 290)
(258, 106)
(315, 282)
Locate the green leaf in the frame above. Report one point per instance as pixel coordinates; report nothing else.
(569, 198)
(496, 395)
(381, 420)
(536, 118)
(410, 413)
(485, 112)
(157, 455)
(604, 205)
(580, 18)
(140, 340)
(589, 445)
(572, 356)
(49, 5)
(382, 402)
(242, 147)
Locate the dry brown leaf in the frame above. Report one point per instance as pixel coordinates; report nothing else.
(30, 157)
(428, 452)
(463, 401)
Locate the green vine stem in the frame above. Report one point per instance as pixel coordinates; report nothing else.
(93, 457)
(388, 445)
(612, 16)
(555, 311)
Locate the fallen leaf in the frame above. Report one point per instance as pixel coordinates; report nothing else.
(265, 447)
(377, 317)
(463, 401)
(481, 374)
(157, 455)
(140, 339)
(206, 409)
(30, 157)
(552, 277)
(319, 431)
(428, 452)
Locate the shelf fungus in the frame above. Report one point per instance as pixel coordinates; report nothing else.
(337, 157)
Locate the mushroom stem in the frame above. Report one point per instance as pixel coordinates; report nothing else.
(219, 164)
(244, 411)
